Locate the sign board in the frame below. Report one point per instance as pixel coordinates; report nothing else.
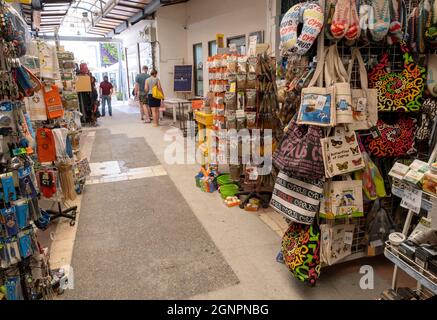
(220, 40)
(183, 78)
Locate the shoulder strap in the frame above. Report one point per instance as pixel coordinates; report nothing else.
(319, 69)
(356, 55)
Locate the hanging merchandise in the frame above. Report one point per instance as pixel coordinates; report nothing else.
(53, 102)
(66, 179)
(47, 182)
(380, 24)
(46, 147)
(345, 20)
(298, 199)
(428, 119)
(336, 242)
(343, 199)
(317, 105)
(301, 251)
(380, 225)
(311, 15)
(373, 183)
(398, 19)
(364, 100)
(36, 106)
(398, 91)
(431, 80)
(341, 153)
(395, 139)
(336, 76)
(300, 152)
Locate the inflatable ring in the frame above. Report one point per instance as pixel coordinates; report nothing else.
(311, 15)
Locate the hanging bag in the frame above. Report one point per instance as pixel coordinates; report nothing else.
(399, 91)
(343, 199)
(301, 251)
(53, 102)
(317, 105)
(335, 242)
(298, 199)
(341, 153)
(364, 100)
(336, 76)
(300, 152)
(396, 139)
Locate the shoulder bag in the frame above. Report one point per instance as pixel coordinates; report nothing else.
(364, 100)
(317, 106)
(298, 199)
(341, 153)
(53, 102)
(399, 91)
(300, 152)
(301, 251)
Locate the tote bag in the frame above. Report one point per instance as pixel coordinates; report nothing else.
(400, 91)
(336, 75)
(364, 100)
(341, 153)
(297, 199)
(343, 199)
(300, 152)
(36, 106)
(396, 139)
(301, 251)
(335, 242)
(317, 105)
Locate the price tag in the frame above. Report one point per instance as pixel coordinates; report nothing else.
(412, 199)
(320, 102)
(375, 132)
(348, 238)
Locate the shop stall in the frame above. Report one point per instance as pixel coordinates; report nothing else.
(349, 114)
(41, 165)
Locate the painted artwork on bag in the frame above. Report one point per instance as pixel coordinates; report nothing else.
(316, 109)
(343, 199)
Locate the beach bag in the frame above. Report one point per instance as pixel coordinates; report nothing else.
(398, 91)
(298, 199)
(335, 242)
(364, 100)
(396, 139)
(373, 183)
(337, 76)
(317, 106)
(53, 102)
(343, 199)
(301, 252)
(341, 153)
(46, 147)
(300, 152)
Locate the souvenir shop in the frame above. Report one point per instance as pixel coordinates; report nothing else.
(41, 164)
(352, 110)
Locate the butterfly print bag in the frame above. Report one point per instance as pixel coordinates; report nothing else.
(341, 153)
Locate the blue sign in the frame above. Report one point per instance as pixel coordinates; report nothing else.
(183, 78)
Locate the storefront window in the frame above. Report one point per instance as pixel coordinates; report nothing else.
(212, 48)
(198, 69)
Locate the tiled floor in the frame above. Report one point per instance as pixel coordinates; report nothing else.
(249, 242)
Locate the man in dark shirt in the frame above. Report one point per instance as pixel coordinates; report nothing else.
(141, 95)
(106, 90)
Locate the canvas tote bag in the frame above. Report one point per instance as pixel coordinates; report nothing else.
(364, 100)
(341, 153)
(343, 199)
(317, 105)
(298, 199)
(336, 242)
(336, 75)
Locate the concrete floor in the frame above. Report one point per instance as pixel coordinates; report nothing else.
(245, 246)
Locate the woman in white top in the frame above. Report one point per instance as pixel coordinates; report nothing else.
(154, 104)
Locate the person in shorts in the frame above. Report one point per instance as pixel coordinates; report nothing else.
(154, 104)
(141, 95)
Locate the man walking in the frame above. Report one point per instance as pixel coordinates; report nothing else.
(141, 95)
(106, 90)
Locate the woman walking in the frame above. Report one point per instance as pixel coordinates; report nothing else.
(154, 102)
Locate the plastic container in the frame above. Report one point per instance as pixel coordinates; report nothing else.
(229, 190)
(224, 179)
(430, 182)
(396, 238)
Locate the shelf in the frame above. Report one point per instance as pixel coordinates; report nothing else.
(424, 277)
(398, 190)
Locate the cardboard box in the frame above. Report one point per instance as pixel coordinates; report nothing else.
(83, 83)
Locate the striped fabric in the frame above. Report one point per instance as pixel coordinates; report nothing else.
(297, 199)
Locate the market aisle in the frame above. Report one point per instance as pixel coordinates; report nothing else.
(160, 237)
(132, 241)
